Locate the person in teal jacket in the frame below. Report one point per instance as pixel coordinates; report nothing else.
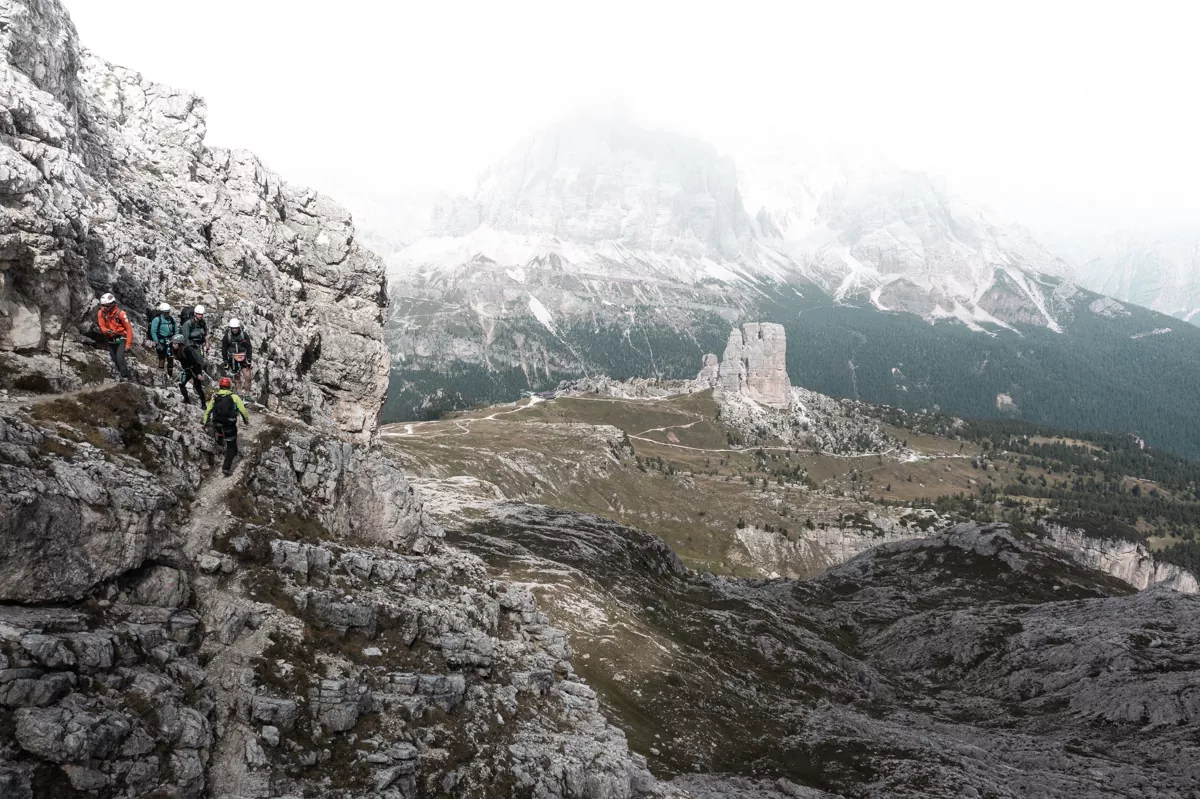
(162, 330)
(222, 413)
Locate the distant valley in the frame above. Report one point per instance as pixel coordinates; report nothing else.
(738, 488)
(599, 248)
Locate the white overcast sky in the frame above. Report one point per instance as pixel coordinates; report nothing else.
(1057, 114)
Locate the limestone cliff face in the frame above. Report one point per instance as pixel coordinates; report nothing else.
(106, 185)
(1125, 560)
(754, 364)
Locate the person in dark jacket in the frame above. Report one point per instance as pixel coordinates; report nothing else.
(222, 412)
(191, 367)
(195, 329)
(237, 352)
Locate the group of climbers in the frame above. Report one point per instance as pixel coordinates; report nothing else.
(187, 342)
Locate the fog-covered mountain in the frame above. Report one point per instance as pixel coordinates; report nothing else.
(1160, 270)
(599, 247)
(901, 239)
(615, 201)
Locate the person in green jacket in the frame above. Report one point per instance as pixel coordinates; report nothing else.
(222, 412)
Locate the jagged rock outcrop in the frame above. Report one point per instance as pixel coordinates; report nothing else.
(1126, 560)
(754, 364)
(106, 185)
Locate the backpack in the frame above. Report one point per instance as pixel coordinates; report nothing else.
(191, 358)
(224, 411)
(238, 344)
(150, 317)
(190, 326)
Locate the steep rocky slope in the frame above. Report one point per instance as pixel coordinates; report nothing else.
(301, 630)
(1126, 560)
(106, 185)
(305, 629)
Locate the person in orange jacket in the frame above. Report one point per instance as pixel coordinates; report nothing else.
(114, 324)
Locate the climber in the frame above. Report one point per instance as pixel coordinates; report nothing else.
(222, 412)
(195, 329)
(162, 332)
(236, 351)
(114, 324)
(191, 367)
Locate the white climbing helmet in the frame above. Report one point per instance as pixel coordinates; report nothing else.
(165, 307)
(198, 310)
(235, 323)
(107, 299)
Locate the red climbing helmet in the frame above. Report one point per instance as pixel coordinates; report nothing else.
(226, 383)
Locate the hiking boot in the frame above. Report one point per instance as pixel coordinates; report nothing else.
(227, 472)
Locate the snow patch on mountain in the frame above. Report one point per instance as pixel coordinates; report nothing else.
(541, 314)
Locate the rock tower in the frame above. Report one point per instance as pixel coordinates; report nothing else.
(754, 364)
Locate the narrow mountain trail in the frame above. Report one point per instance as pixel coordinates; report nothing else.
(15, 402)
(410, 429)
(697, 421)
(209, 514)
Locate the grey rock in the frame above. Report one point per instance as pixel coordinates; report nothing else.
(86, 779)
(279, 713)
(15, 784)
(1126, 560)
(338, 704)
(162, 586)
(270, 735)
(93, 651)
(70, 525)
(47, 650)
(62, 736)
(754, 364)
(38, 692)
(255, 756)
(342, 616)
(209, 564)
(188, 770)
